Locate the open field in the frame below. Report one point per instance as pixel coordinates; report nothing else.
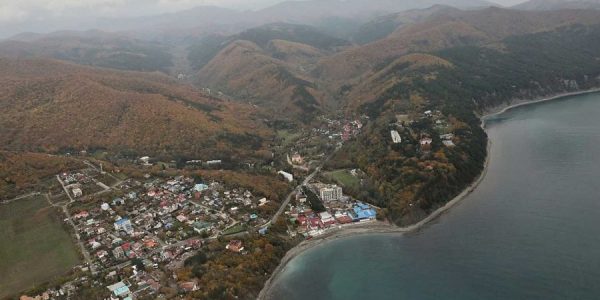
(35, 248)
(344, 178)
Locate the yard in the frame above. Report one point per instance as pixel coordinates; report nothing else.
(235, 229)
(344, 178)
(35, 248)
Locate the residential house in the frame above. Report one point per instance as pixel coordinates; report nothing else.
(297, 159)
(327, 219)
(235, 246)
(77, 192)
(124, 224)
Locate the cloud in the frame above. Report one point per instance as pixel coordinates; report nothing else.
(23, 10)
(11, 13)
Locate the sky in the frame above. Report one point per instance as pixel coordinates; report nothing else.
(12, 11)
(18, 16)
(23, 10)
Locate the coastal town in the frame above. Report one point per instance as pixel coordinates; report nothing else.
(299, 149)
(135, 234)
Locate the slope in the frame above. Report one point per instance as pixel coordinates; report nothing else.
(270, 66)
(447, 29)
(52, 106)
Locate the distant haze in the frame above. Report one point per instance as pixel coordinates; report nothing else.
(18, 16)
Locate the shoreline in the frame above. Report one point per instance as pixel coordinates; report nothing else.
(379, 227)
(372, 227)
(519, 103)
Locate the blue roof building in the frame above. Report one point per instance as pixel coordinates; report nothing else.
(200, 187)
(120, 289)
(124, 224)
(361, 211)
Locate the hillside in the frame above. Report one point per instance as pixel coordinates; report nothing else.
(205, 49)
(455, 82)
(270, 66)
(382, 27)
(444, 30)
(315, 11)
(20, 172)
(251, 74)
(50, 106)
(90, 48)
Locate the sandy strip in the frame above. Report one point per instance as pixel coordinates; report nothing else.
(373, 227)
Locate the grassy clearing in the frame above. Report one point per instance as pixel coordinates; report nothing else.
(35, 248)
(235, 229)
(344, 178)
(287, 137)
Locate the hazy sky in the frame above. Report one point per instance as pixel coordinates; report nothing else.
(14, 11)
(23, 10)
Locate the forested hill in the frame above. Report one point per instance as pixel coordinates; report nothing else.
(430, 166)
(268, 66)
(450, 63)
(95, 48)
(57, 107)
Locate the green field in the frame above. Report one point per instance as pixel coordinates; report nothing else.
(235, 229)
(344, 178)
(286, 137)
(34, 247)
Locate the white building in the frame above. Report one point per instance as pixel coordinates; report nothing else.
(289, 177)
(145, 160)
(214, 162)
(330, 193)
(396, 137)
(448, 143)
(77, 192)
(426, 141)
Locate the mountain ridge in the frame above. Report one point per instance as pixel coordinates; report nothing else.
(52, 106)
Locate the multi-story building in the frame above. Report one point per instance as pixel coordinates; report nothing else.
(330, 193)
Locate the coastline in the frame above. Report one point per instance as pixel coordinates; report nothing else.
(378, 227)
(372, 227)
(518, 103)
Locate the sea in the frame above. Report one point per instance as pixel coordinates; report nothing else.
(530, 230)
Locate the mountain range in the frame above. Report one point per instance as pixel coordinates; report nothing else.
(285, 71)
(204, 20)
(53, 106)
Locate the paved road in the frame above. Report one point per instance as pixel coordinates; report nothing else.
(297, 189)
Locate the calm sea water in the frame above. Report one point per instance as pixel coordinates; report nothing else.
(531, 230)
